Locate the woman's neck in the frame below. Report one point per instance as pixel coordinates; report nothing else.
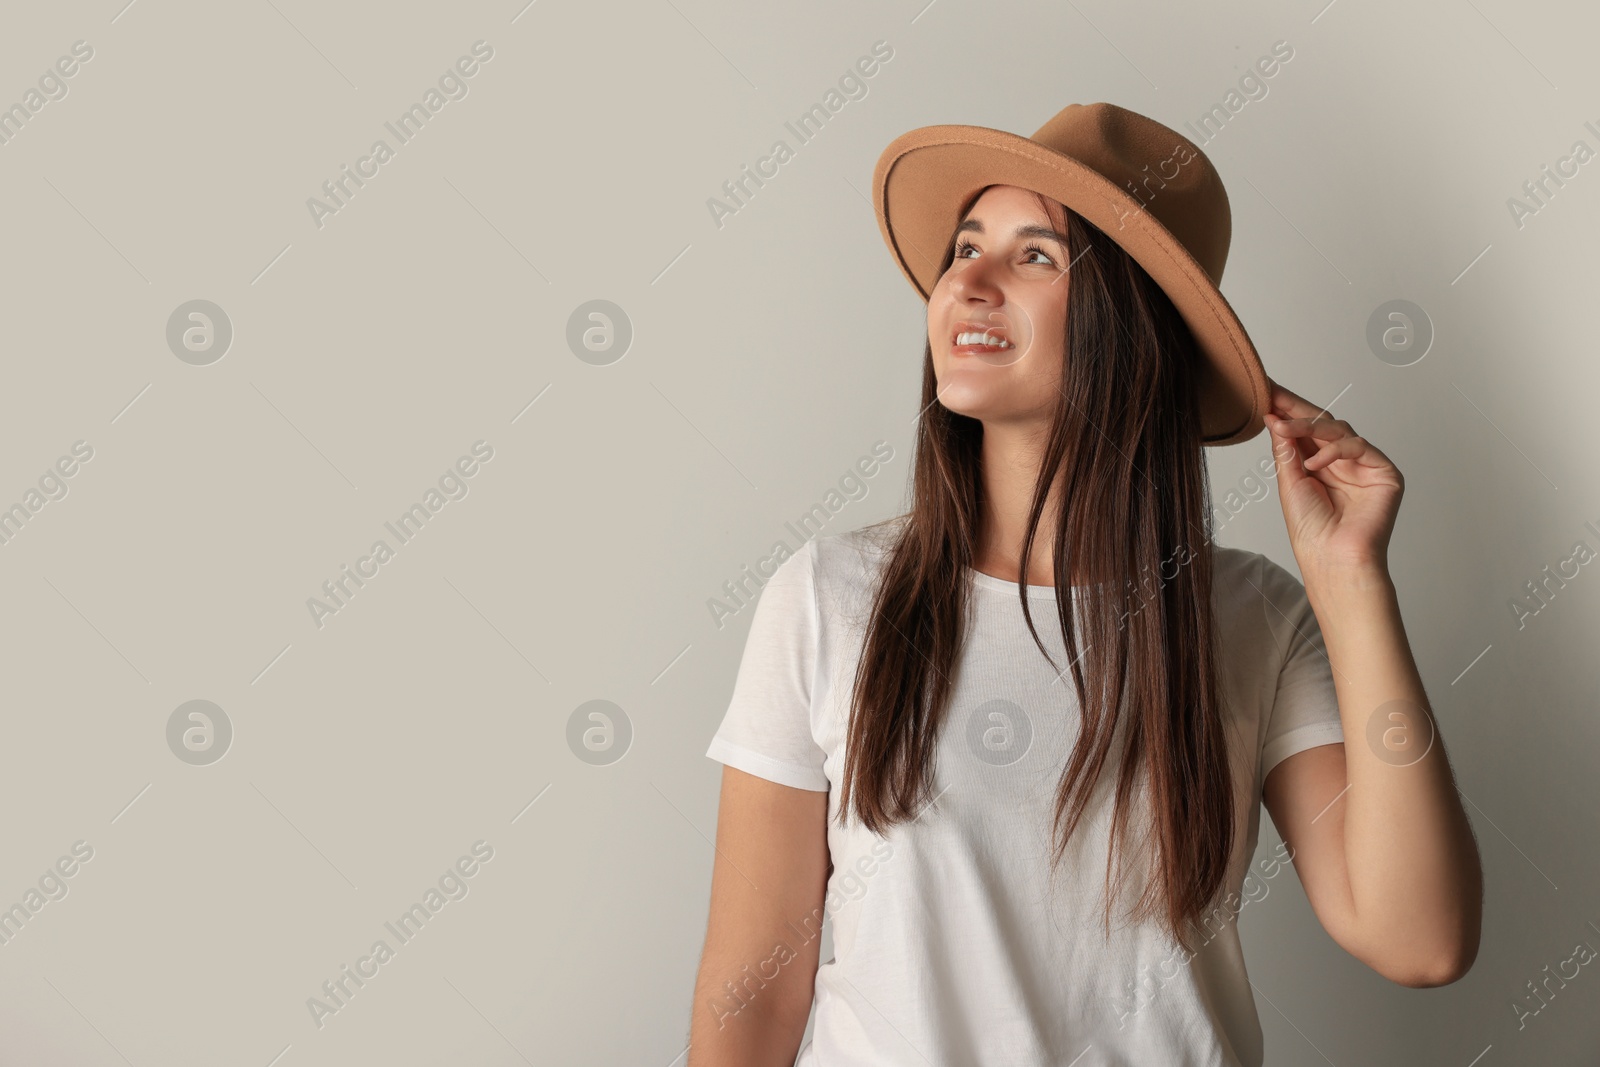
(1010, 468)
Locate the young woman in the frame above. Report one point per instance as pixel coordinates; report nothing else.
(970, 798)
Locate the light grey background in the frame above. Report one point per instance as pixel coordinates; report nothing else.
(768, 355)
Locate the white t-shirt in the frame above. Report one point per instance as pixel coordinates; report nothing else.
(951, 948)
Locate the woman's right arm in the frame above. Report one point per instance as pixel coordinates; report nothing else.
(774, 836)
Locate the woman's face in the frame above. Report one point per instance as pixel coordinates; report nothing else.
(1008, 279)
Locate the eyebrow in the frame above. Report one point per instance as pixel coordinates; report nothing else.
(1028, 230)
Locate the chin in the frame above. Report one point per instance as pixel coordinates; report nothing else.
(975, 403)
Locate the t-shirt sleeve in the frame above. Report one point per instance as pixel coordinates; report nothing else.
(767, 730)
(1305, 706)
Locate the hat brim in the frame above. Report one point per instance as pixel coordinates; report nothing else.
(927, 176)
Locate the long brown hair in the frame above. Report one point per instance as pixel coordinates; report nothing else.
(1125, 445)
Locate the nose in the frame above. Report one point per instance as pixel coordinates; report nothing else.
(975, 284)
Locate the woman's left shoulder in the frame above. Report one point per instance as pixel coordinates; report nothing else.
(1240, 581)
(1232, 567)
(1258, 600)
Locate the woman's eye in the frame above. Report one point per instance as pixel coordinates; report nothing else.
(965, 247)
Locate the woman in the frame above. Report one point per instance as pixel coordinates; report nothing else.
(904, 751)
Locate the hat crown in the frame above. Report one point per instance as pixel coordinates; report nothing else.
(1171, 178)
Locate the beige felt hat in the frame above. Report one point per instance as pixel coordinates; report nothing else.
(1146, 186)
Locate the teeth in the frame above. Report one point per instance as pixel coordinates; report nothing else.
(981, 339)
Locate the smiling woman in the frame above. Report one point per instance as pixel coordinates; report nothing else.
(894, 686)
